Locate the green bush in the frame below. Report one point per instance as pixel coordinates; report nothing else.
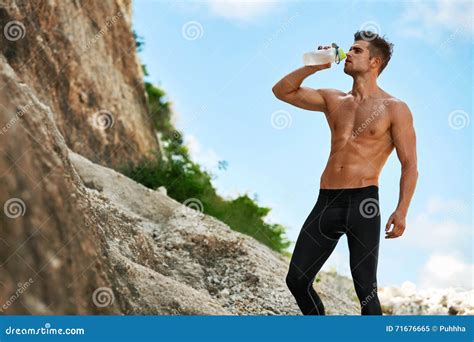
(184, 179)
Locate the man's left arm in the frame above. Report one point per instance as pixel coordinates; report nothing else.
(404, 139)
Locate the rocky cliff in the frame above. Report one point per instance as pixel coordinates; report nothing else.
(79, 59)
(76, 237)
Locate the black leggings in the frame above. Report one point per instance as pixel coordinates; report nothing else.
(354, 212)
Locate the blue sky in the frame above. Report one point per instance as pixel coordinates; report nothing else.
(218, 60)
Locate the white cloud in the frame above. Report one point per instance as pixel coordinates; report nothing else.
(446, 270)
(438, 230)
(432, 20)
(440, 205)
(439, 226)
(430, 233)
(207, 158)
(241, 10)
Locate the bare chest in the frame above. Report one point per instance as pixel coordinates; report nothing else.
(369, 119)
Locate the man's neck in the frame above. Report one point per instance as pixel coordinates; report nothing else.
(364, 87)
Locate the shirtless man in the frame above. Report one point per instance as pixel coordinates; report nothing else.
(366, 125)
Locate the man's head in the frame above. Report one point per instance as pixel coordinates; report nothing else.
(369, 53)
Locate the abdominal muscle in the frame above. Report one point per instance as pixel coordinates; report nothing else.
(353, 166)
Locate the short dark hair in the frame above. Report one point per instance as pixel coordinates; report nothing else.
(378, 46)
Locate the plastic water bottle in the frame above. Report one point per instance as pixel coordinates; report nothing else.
(323, 56)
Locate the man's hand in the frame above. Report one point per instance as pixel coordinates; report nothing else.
(398, 220)
(318, 67)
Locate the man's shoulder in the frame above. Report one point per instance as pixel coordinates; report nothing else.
(396, 104)
(393, 103)
(398, 109)
(332, 95)
(332, 92)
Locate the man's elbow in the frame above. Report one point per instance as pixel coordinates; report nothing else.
(276, 91)
(279, 94)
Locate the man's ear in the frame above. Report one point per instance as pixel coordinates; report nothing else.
(376, 61)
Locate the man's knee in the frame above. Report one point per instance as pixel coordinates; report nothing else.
(291, 281)
(297, 282)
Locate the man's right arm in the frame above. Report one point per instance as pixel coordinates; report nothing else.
(289, 89)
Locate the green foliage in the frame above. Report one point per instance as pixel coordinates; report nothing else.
(184, 179)
(159, 111)
(139, 42)
(144, 69)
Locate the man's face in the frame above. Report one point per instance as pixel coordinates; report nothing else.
(358, 59)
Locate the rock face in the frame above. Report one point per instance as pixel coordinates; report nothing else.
(79, 58)
(79, 238)
(65, 248)
(233, 269)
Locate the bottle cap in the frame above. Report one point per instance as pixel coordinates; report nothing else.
(340, 54)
